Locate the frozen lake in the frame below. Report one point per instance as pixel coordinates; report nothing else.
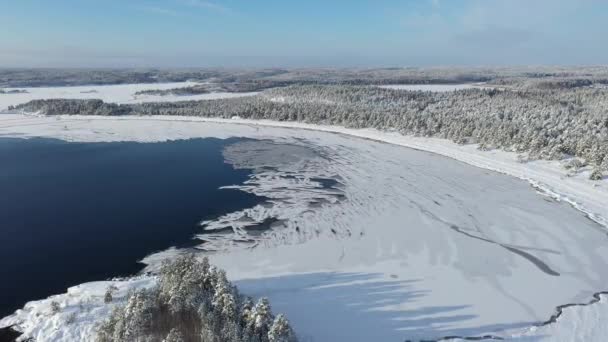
(384, 242)
(424, 247)
(120, 93)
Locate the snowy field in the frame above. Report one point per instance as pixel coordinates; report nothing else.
(431, 87)
(121, 93)
(405, 244)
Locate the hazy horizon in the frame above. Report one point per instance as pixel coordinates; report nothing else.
(239, 33)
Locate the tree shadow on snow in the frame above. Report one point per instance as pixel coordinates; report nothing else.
(361, 307)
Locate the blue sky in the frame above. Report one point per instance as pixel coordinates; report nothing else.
(189, 33)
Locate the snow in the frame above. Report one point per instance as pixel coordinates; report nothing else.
(577, 323)
(422, 246)
(431, 87)
(85, 303)
(80, 309)
(121, 93)
(587, 196)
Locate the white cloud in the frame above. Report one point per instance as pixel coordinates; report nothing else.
(207, 5)
(158, 10)
(200, 4)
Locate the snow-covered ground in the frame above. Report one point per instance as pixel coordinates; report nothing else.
(78, 311)
(121, 93)
(432, 87)
(81, 307)
(420, 246)
(576, 323)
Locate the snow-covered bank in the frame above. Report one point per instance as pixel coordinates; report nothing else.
(422, 246)
(77, 312)
(586, 322)
(82, 306)
(120, 93)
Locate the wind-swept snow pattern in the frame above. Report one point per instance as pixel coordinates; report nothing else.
(295, 180)
(404, 244)
(423, 247)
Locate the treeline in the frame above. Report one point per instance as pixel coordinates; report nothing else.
(193, 302)
(549, 124)
(182, 91)
(255, 79)
(244, 78)
(72, 107)
(234, 87)
(552, 82)
(12, 78)
(13, 91)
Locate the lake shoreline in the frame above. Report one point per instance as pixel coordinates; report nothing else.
(546, 175)
(144, 198)
(124, 129)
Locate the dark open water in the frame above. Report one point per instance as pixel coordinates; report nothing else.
(77, 212)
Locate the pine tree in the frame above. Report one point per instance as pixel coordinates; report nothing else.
(174, 336)
(281, 331)
(596, 175)
(108, 297)
(55, 307)
(167, 313)
(224, 298)
(261, 320)
(137, 315)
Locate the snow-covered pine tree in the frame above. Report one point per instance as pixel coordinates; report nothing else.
(261, 320)
(167, 313)
(596, 175)
(174, 336)
(55, 307)
(182, 283)
(136, 316)
(108, 296)
(281, 331)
